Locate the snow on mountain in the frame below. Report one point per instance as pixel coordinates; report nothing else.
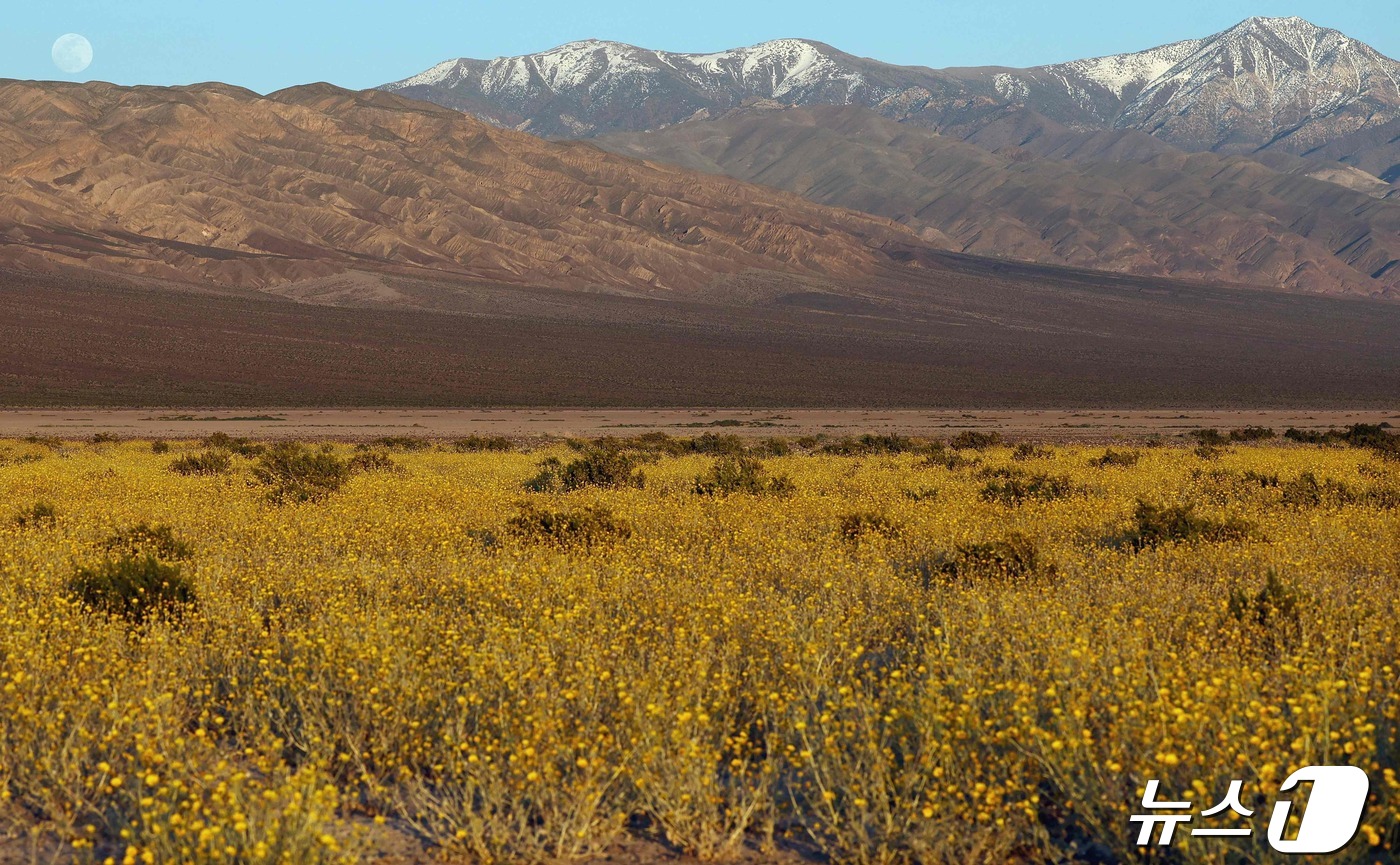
(1267, 76)
(440, 75)
(1280, 82)
(1119, 72)
(769, 70)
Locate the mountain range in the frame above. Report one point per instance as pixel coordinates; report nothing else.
(1267, 83)
(1265, 154)
(784, 225)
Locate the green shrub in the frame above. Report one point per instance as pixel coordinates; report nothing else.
(1027, 451)
(1276, 610)
(871, 445)
(946, 459)
(584, 527)
(715, 445)
(147, 540)
(1210, 437)
(1263, 480)
(1014, 489)
(1306, 491)
(1116, 459)
(864, 524)
(41, 514)
(1154, 525)
(373, 461)
(976, 441)
(612, 469)
(731, 474)
(482, 444)
(1016, 557)
(135, 589)
(1372, 437)
(771, 447)
(160, 446)
(1252, 434)
(210, 462)
(295, 473)
(220, 441)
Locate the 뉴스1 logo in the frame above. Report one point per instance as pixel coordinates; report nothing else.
(1330, 822)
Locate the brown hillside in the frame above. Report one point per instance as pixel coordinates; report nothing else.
(1120, 202)
(215, 183)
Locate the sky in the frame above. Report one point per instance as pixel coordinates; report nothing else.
(265, 45)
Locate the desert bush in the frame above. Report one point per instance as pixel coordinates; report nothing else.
(296, 473)
(1015, 557)
(210, 462)
(870, 445)
(1275, 610)
(144, 539)
(1209, 452)
(976, 441)
(771, 447)
(599, 467)
(221, 441)
(714, 444)
(483, 444)
(1373, 437)
(925, 494)
(584, 527)
(1014, 489)
(730, 475)
(1116, 459)
(1154, 525)
(1266, 481)
(1210, 437)
(160, 446)
(41, 514)
(946, 459)
(1027, 451)
(137, 589)
(863, 524)
(103, 438)
(1252, 434)
(1306, 491)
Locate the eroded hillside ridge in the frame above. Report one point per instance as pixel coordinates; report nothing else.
(212, 182)
(1122, 205)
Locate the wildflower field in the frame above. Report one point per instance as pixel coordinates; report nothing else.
(865, 650)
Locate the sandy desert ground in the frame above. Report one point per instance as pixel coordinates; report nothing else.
(1061, 426)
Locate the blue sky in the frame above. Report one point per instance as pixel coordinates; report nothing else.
(268, 44)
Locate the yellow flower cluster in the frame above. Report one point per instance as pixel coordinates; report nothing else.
(736, 669)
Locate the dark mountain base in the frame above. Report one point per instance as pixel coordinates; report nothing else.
(964, 333)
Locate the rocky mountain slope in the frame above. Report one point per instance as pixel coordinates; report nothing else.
(1268, 83)
(216, 183)
(1151, 212)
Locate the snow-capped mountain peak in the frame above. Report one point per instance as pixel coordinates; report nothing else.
(1252, 85)
(1119, 72)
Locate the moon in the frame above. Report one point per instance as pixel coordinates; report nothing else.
(72, 53)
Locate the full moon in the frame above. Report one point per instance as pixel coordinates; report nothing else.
(72, 53)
